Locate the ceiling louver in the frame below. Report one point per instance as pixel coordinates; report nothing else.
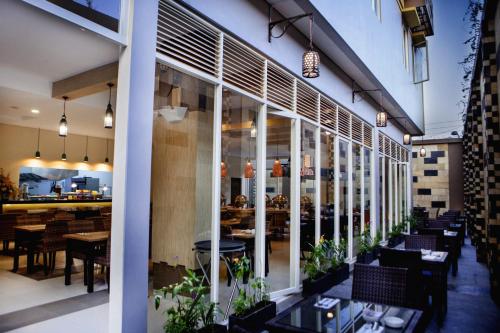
(307, 101)
(328, 113)
(280, 86)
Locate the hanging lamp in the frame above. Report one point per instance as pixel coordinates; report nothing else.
(63, 123)
(381, 120)
(63, 155)
(253, 129)
(86, 158)
(249, 172)
(108, 116)
(223, 169)
(106, 160)
(310, 59)
(423, 152)
(37, 153)
(277, 167)
(406, 137)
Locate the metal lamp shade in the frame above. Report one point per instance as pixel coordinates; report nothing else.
(37, 154)
(381, 120)
(63, 157)
(223, 169)
(249, 173)
(422, 152)
(277, 168)
(86, 158)
(407, 139)
(310, 64)
(63, 126)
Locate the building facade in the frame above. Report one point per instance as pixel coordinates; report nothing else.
(215, 123)
(482, 149)
(437, 176)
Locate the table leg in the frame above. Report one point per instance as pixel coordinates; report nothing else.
(30, 257)
(16, 253)
(90, 274)
(69, 263)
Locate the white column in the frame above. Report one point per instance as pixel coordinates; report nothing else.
(295, 204)
(336, 189)
(388, 177)
(317, 184)
(362, 186)
(374, 180)
(349, 200)
(260, 209)
(128, 300)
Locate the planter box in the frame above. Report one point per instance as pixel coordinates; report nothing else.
(392, 242)
(216, 328)
(320, 285)
(255, 318)
(364, 258)
(376, 252)
(340, 274)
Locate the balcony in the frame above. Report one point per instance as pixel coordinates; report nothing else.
(419, 17)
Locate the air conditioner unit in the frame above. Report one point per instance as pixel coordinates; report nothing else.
(172, 113)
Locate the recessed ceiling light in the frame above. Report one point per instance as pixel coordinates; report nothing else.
(35, 111)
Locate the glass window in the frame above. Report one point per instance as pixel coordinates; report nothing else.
(344, 191)
(103, 12)
(356, 197)
(367, 186)
(279, 131)
(181, 175)
(238, 180)
(327, 192)
(307, 187)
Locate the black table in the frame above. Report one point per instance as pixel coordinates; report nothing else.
(346, 316)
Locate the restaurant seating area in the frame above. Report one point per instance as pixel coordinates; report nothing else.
(44, 236)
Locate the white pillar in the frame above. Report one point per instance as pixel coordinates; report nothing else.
(128, 300)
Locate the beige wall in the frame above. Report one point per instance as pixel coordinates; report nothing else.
(18, 146)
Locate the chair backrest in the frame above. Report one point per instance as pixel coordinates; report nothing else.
(418, 242)
(63, 216)
(378, 284)
(439, 224)
(80, 226)
(7, 224)
(438, 232)
(28, 219)
(411, 260)
(53, 236)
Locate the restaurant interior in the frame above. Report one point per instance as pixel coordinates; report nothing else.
(57, 113)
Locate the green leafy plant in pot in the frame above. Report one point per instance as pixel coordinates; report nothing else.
(191, 309)
(365, 254)
(316, 268)
(337, 255)
(252, 307)
(376, 244)
(395, 235)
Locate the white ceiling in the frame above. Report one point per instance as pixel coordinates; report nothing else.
(37, 49)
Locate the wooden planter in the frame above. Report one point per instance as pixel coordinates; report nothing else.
(364, 258)
(216, 328)
(255, 318)
(317, 286)
(340, 274)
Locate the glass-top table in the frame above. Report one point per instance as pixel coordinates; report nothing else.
(345, 316)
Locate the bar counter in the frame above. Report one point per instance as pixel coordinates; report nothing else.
(52, 204)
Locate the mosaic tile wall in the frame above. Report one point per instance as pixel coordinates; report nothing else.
(481, 145)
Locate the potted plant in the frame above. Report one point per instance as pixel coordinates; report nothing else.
(376, 244)
(191, 309)
(338, 267)
(252, 307)
(365, 254)
(395, 237)
(413, 223)
(316, 268)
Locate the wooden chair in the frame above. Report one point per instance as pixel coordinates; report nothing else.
(52, 242)
(105, 261)
(7, 232)
(80, 226)
(378, 284)
(418, 242)
(101, 223)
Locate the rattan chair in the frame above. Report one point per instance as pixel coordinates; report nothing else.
(381, 285)
(7, 232)
(411, 260)
(52, 241)
(438, 232)
(418, 242)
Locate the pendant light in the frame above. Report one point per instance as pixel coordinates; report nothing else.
(422, 149)
(277, 167)
(108, 116)
(37, 153)
(86, 158)
(63, 155)
(63, 124)
(106, 160)
(406, 137)
(249, 172)
(381, 120)
(253, 129)
(223, 169)
(310, 59)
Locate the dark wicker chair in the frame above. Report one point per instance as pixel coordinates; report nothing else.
(438, 232)
(52, 242)
(105, 261)
(411, 260)
(7, 232)
(439, 224)
(382, 285)
(80, 226)
(418, 242)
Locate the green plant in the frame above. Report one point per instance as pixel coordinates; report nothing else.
(251, 293)
(412, 221)
(336, 253)
(365, 242)
(396, 230)
(316, 262)
(190, 307)
(378, 238)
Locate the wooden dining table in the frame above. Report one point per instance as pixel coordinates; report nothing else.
(452, 241)
(91, 245)
(27, 236)
(439, 289)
